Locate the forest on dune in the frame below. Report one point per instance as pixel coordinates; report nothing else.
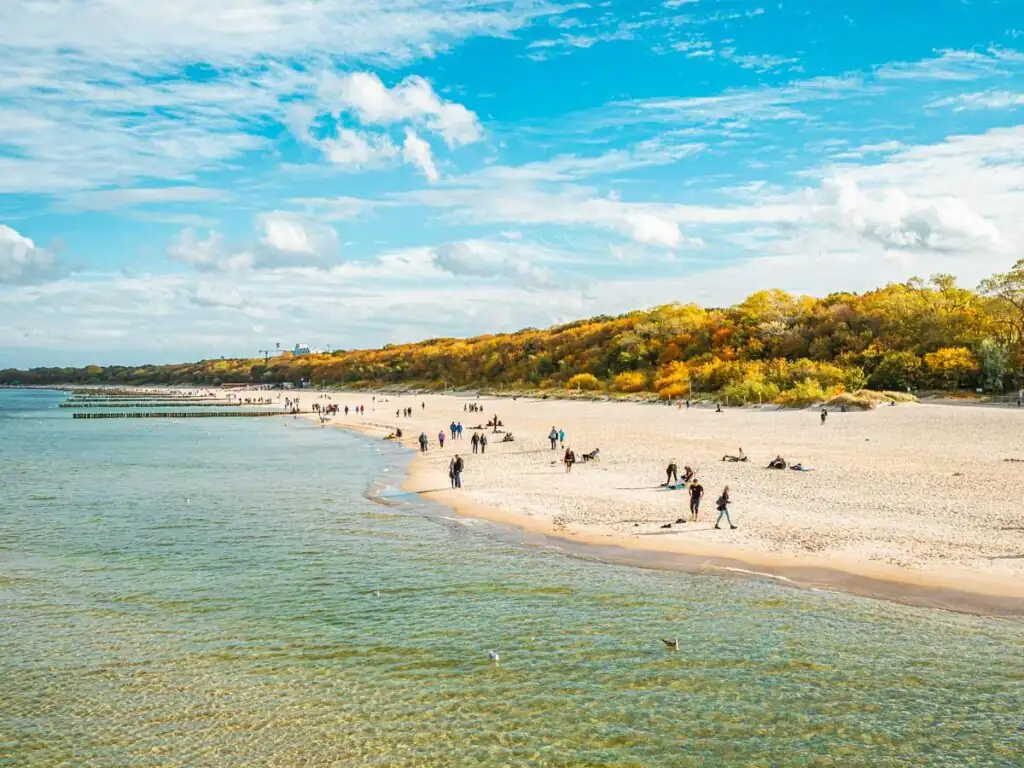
(772, 347)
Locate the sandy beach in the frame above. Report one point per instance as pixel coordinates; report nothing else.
(914, 503)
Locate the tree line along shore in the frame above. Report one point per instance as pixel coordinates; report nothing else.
(773, 347)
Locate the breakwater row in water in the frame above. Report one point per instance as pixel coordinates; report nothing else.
(149, 404)
(182, 414)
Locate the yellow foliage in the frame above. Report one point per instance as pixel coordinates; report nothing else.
(630, 381)
(583, 381)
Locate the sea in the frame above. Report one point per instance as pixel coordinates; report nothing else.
(259, 592)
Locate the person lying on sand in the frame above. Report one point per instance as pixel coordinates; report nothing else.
(777, 463)
(508, 438)
(801, 468)
(741, 456)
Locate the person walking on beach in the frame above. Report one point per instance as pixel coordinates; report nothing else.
(475, 440)
(696, 494)
(440, 438)
(561, 437)
(824, 415)
(671, 473)
(483, 443)
(723, 508)
(569, 459)
(423, 442)
(452, 429)
(455, 471)
(553, 437)
(458, 430)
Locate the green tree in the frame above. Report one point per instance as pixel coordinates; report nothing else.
(897, 370)
(995, 361)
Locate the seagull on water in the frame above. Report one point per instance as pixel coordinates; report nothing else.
(672, 645)
(493, 656)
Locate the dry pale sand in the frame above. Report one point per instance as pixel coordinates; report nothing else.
(913, 495)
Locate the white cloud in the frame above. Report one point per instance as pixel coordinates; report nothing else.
(206, 295)
(108, 199)
(949, 65)
(352, 150)
(21, 261)
(283, 240)
(87, 103)
(981, 100)
(650, 153)
(895, 219)
(416, 151)
(411, 101)
(293, 237)
(489, 259)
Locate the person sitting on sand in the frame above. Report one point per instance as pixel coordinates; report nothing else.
(740, 456)
(688, 474)
(777, 463)
(594, 455)
(671, 473)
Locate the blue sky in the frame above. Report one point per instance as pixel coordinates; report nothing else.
(195, 179)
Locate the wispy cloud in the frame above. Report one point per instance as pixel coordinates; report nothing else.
(981, 100)
(173, 89)
(109, 199)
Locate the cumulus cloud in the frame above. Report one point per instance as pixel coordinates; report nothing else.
(283, 240)
(487, 259)
(296, 240)
(416, 151)
(206, 295)
(895, 219)
(355, 150)
(21, 261)
(411, 101)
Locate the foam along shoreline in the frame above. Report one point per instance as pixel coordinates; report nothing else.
(913, 504)
(981, 597)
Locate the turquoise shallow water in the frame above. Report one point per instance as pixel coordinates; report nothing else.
(203, 593)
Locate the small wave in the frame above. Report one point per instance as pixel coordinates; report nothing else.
(747, 572)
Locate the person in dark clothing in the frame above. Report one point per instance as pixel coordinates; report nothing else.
(483, 443)
(455, 471)
(475, 441)
(671, 473)
(696, 494)
(553, 437)
(824, 415)
(723, 508)
(423, 442)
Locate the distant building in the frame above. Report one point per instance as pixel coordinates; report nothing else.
(301, 349)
